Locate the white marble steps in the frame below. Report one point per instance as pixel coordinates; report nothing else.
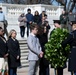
(23, 41)
(24, 52)
(24, 63)
(24, 48)
(24, 58)
(23, 45)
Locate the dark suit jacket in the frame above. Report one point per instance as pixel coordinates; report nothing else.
(3, 47)
(71, 40)
(43, 40)
(14, 51)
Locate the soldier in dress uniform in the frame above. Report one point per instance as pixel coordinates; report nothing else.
(71, 40)
(58, 70)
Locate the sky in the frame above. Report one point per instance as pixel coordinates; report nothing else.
(56, 4)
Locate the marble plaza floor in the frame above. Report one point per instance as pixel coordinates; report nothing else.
(24, 71)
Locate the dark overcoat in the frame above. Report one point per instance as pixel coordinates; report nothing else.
(14, 51)
(3, 47)
(43, 40)
(37, 19)
(71, 40)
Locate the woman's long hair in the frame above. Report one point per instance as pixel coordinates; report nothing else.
(40, 29)
(36, 12)
(10, 33)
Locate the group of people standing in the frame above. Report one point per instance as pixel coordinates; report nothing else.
(39, 29)
(9, 53)
(71, 38)
(66, 19)
(10, 49)
(27, 19)
(36, 43)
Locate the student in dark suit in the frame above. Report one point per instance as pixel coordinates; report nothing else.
(14, 53)
(71, 40)
(3, 50)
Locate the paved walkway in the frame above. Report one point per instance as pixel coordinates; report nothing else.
(24, 71)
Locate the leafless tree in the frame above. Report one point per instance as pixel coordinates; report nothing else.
(68, 4)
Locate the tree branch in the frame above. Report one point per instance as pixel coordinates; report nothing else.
(72, 7)
(61, 2)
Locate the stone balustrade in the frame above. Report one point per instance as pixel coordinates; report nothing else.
(15, 9)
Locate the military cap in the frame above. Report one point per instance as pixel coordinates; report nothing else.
(56, 21)
(73, 22)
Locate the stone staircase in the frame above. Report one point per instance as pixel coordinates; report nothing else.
(24, 52)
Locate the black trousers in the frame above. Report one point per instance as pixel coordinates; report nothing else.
(43, 68)
(22, 31)
(28, 28)
(60, 71)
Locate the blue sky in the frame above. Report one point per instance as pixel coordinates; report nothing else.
(56, 4)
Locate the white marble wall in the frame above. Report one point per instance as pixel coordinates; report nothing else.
(12, 12)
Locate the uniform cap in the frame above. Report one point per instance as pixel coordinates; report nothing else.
(73, 22)
(56, 21)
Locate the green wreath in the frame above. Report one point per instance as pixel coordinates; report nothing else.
(54, 51)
